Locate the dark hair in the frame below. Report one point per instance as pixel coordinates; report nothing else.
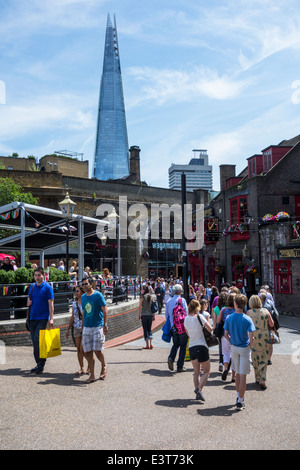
(147, 293)
(90, 280)
(222, 300)
(230, 300)
(39, 269)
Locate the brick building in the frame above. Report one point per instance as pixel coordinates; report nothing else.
(244, 240)
(164, 257)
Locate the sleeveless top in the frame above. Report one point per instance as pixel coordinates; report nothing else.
(77, 318)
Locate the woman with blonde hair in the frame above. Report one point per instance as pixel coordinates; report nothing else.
(260, 350)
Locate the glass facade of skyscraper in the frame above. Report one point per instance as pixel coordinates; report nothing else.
(111, 155)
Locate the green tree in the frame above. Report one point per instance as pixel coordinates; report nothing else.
(11, 191)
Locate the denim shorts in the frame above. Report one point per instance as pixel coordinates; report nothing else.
(199, 352)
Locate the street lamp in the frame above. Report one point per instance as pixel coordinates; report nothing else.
(67, 207)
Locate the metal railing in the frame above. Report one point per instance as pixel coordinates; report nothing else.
(13, 297)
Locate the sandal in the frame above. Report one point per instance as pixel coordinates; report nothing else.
(80, 372)
(146, 347)
(103, 373)
(90, 381)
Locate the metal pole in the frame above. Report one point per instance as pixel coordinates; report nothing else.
(119, 252)
(80, 247)
(67, 246)
(22, 235)
(184, 240)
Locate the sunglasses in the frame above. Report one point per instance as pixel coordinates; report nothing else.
(85, 284)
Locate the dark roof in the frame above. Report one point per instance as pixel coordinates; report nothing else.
(290, 142)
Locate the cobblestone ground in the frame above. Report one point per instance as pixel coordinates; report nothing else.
(142, 405)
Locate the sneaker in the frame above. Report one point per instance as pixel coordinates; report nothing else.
(220, 367)
(224, 375)
(183, 369)
(240, 405)
(199, 395)
(170, 364)
(32, 371)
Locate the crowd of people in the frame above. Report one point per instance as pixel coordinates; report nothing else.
(243, 326)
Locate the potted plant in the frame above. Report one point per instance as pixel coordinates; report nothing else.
(5, 293)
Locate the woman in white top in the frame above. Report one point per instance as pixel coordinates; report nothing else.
(198, 349)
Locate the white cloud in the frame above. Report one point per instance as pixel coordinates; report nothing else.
(48, 112)
(169, 86)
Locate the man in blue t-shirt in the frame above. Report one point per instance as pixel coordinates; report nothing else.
(238, 330)
(94, 327)
(41, 303)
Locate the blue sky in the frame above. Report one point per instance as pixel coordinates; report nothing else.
(217, 75)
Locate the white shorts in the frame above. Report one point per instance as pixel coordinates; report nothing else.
(241, 360)
(93, 339)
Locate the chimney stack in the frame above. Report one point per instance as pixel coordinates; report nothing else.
(226, 171)
(135, 163)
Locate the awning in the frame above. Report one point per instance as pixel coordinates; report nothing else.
(42, 228)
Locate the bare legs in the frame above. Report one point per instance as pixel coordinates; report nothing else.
(91, 363)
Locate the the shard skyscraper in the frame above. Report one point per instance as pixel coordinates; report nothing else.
(111, 155)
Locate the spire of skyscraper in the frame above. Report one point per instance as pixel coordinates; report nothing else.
(111, 155)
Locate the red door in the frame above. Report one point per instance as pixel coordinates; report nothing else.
(297, 207)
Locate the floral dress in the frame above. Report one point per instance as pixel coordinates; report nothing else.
(261, 345)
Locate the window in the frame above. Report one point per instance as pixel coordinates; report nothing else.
(283, 277)
(238, 210)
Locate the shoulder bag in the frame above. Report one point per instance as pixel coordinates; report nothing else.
(210, 338)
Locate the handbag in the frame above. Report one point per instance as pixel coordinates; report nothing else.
(49, 343)
(210, 338)
(154, 306)
(219, 330)
(166, 336)
(27, 323)
(274, 337)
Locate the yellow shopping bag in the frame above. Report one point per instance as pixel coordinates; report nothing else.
(187, 352)
(49, 342)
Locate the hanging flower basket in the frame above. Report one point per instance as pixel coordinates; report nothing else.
(238, 268)
(252, 269)
(282, 216)
(219, 269)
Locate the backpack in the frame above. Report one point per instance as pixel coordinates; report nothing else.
(179, 315)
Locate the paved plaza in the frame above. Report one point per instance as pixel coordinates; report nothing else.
(143, 406)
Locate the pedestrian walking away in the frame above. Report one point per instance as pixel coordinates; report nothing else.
(94, 328)
(260, 350)
(41, 303)
(176, 311)
(226, 348)
(239, 330)
(146, 316)
(198, 350)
